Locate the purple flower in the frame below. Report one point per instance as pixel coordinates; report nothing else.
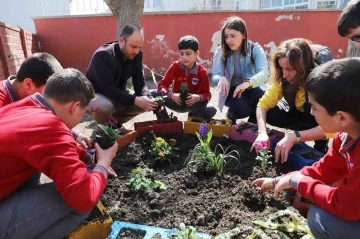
(160, 92)
(203, 130)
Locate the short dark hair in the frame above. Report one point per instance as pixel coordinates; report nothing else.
(69, 85)
(128, 30)
(188, 42)
(349, 18)
(38, 67)
(335, 86)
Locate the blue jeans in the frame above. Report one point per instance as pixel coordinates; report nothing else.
(324, 225)
(37, 211)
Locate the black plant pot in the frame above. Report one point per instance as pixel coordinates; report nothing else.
(183, 97)
(104, 143)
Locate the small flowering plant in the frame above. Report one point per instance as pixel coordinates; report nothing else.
(163, 150)
(202, 155)
(264, 154)
(141, 179)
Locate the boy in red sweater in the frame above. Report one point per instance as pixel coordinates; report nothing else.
(31, 78)
(187, 70)
(334, 95)
(46, 144)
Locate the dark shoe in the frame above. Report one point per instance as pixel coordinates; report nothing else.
(233, 120)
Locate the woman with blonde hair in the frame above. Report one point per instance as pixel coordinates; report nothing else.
(239, 68)
(291, 64)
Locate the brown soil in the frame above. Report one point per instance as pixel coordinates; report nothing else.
(201, 200)
(310, 155)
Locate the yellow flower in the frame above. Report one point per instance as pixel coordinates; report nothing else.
(159, 139)
(161, 154)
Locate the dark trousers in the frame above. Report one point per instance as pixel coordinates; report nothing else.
(199, 109)
(245, 106)
(295, 120)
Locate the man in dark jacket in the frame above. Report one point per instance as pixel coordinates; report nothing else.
(110, 68)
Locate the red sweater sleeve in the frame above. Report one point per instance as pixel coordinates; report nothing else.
(168, 78)
(205, 85)
(341, 201)
(56, 155)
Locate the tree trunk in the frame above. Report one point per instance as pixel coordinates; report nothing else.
(126, 12)
(352, 50)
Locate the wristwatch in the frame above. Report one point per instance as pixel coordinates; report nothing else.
(298, 137)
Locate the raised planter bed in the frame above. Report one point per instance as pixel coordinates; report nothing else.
(200, 198)
(219, 127)
(96, 226)
(173, 126)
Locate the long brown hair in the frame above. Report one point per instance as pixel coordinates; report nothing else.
(300, 56)
(238, 24)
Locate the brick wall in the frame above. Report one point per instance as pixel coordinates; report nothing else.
(15, 45)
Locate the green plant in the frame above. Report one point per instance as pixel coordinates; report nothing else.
(163, 150)
(186, 232)
(263, 158)
(202, 155)
(141, 179)
(106, 136)
(184, 92)
(160, 101)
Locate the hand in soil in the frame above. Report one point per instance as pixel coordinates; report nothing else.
(176, 98)
(265, 184)
(83, 140)
(262, 137)
(145, 103)
(105, 156)
(283, 147)
(192, 99)
(112, 172)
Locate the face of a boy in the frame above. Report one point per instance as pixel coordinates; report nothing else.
(327, 122)
(354, 36)
(188, 57)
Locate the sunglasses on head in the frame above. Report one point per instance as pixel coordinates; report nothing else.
(355, 38)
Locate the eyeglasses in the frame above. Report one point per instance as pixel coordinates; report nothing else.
(355, 38)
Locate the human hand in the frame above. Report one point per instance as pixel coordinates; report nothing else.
(176, 98)
(265, 184)
(83, 140)
(192, 99)
(261, 141)
(145, 103)
(284, 146)
(240, 89)
(105, 156)
(284, 183)
(223, 86)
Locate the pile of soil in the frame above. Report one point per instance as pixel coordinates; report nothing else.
(202, 200)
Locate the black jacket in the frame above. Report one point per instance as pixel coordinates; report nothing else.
(108, 73)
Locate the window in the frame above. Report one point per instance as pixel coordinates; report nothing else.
(284, 4)
(156, 3)
(330, 4)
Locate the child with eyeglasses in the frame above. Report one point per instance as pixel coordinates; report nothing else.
(349, 22)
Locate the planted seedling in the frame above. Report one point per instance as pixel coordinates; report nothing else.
(160, 101)
(264, 155)
(162, 150)
(142, 179)
(186, 232)
(184, 93)
(106, 136)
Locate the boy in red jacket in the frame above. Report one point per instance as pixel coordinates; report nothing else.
(188, 71)
(31, 78)
(46, 145)
(334, 95)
